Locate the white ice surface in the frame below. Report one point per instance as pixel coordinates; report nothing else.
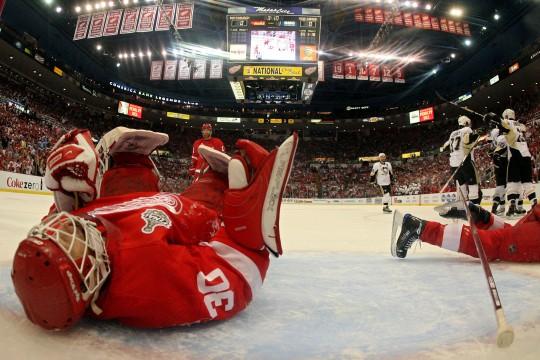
(335, 294)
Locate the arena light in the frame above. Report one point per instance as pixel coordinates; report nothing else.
(58, 9)
(97, 6)
(496, 16)
(414, 4)
(126, 2)
(407, 3)
(132, 55)
(118, 65)
(88, 7)
(456, 12)
(149, 53)
(141, 54)
(77, 9)
(484, 28)
(453, 55)
(468, 42)
(111, 4)
(99, 47)
(48, 2)
(428, 7)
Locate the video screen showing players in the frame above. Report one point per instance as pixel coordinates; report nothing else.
(273, 45)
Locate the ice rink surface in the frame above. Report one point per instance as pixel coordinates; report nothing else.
(335, 294)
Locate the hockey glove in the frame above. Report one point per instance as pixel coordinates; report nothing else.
(72, 165)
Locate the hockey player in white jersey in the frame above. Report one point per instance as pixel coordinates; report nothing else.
(383, 175)
(500, 164)
(519, 161)
(461, 143)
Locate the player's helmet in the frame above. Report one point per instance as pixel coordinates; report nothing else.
(206, 126)
(509, 114)
(58, 270)
(464, 121)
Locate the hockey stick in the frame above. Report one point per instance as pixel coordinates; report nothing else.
(459, 106)
(505, 333)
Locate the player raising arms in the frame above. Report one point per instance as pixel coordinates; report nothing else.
(461, 143)
(383, 175)
(150, 259)
(198, 164)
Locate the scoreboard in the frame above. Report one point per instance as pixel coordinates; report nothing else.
(258, 35)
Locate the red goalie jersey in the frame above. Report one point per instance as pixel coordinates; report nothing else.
(172, 262)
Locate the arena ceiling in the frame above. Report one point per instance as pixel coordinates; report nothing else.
(341, 38)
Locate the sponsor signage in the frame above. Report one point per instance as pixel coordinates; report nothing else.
(130, 109)
(494, 80)
(58, 71)
(175, 115)
(22, 183)
(411, 155)
(427, 114)
(269, 71)
(229, 120)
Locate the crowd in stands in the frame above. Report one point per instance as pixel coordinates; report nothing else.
(32, 119)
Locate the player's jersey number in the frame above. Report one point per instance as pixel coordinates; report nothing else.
(214, 295)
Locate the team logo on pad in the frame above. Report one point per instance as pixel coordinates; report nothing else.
(154, 218)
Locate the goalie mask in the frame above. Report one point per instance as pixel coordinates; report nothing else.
(464, 121)
(58, 270)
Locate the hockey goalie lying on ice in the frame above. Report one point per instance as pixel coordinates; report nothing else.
(145, 258)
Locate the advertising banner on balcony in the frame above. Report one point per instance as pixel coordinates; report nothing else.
(170, 70)
(156, 70)
(184, 16)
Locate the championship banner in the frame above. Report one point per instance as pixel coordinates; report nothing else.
(368, 15)
(184, 16)
(363, 72)
(387, 75)
(398, 18)
(170, 70)
(417, 21)
(147, 17)
(156, 70)
(374, 72)
(426, 21)
(96, 25)
(451, 26)
(81, 29)
(350, 70)
(408, 20)
(216, 69)
(359, 15)
(165, 17)
(112, 24)
(184, 69)
(466, 30)
(199, 69)
(399, 76)
(388, 16)
(338, 71)
(379, 17)
(435, 23)
(129, 22)
(444, 24)
(459, 28)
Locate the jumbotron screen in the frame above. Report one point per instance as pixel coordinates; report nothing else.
(273, 35)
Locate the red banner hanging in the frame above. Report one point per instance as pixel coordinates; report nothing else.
(337, 72)
(129, 22)
(387, 73)
(399, 75)
(426, 21)
(147, 18)
(417, 21)
(398, 18)
(379, 15)
(459, 28)
(369, 15)
(359, 15)
(363, 73)
(350, 70)
(2, 3)
(96, 25)
(451, 26)
(374, 72)
(444, 24)
(407, 19)
(184, 16)
(112, 24)
(466, 30)
(165, 17)
(81, 29)
(435, 23)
